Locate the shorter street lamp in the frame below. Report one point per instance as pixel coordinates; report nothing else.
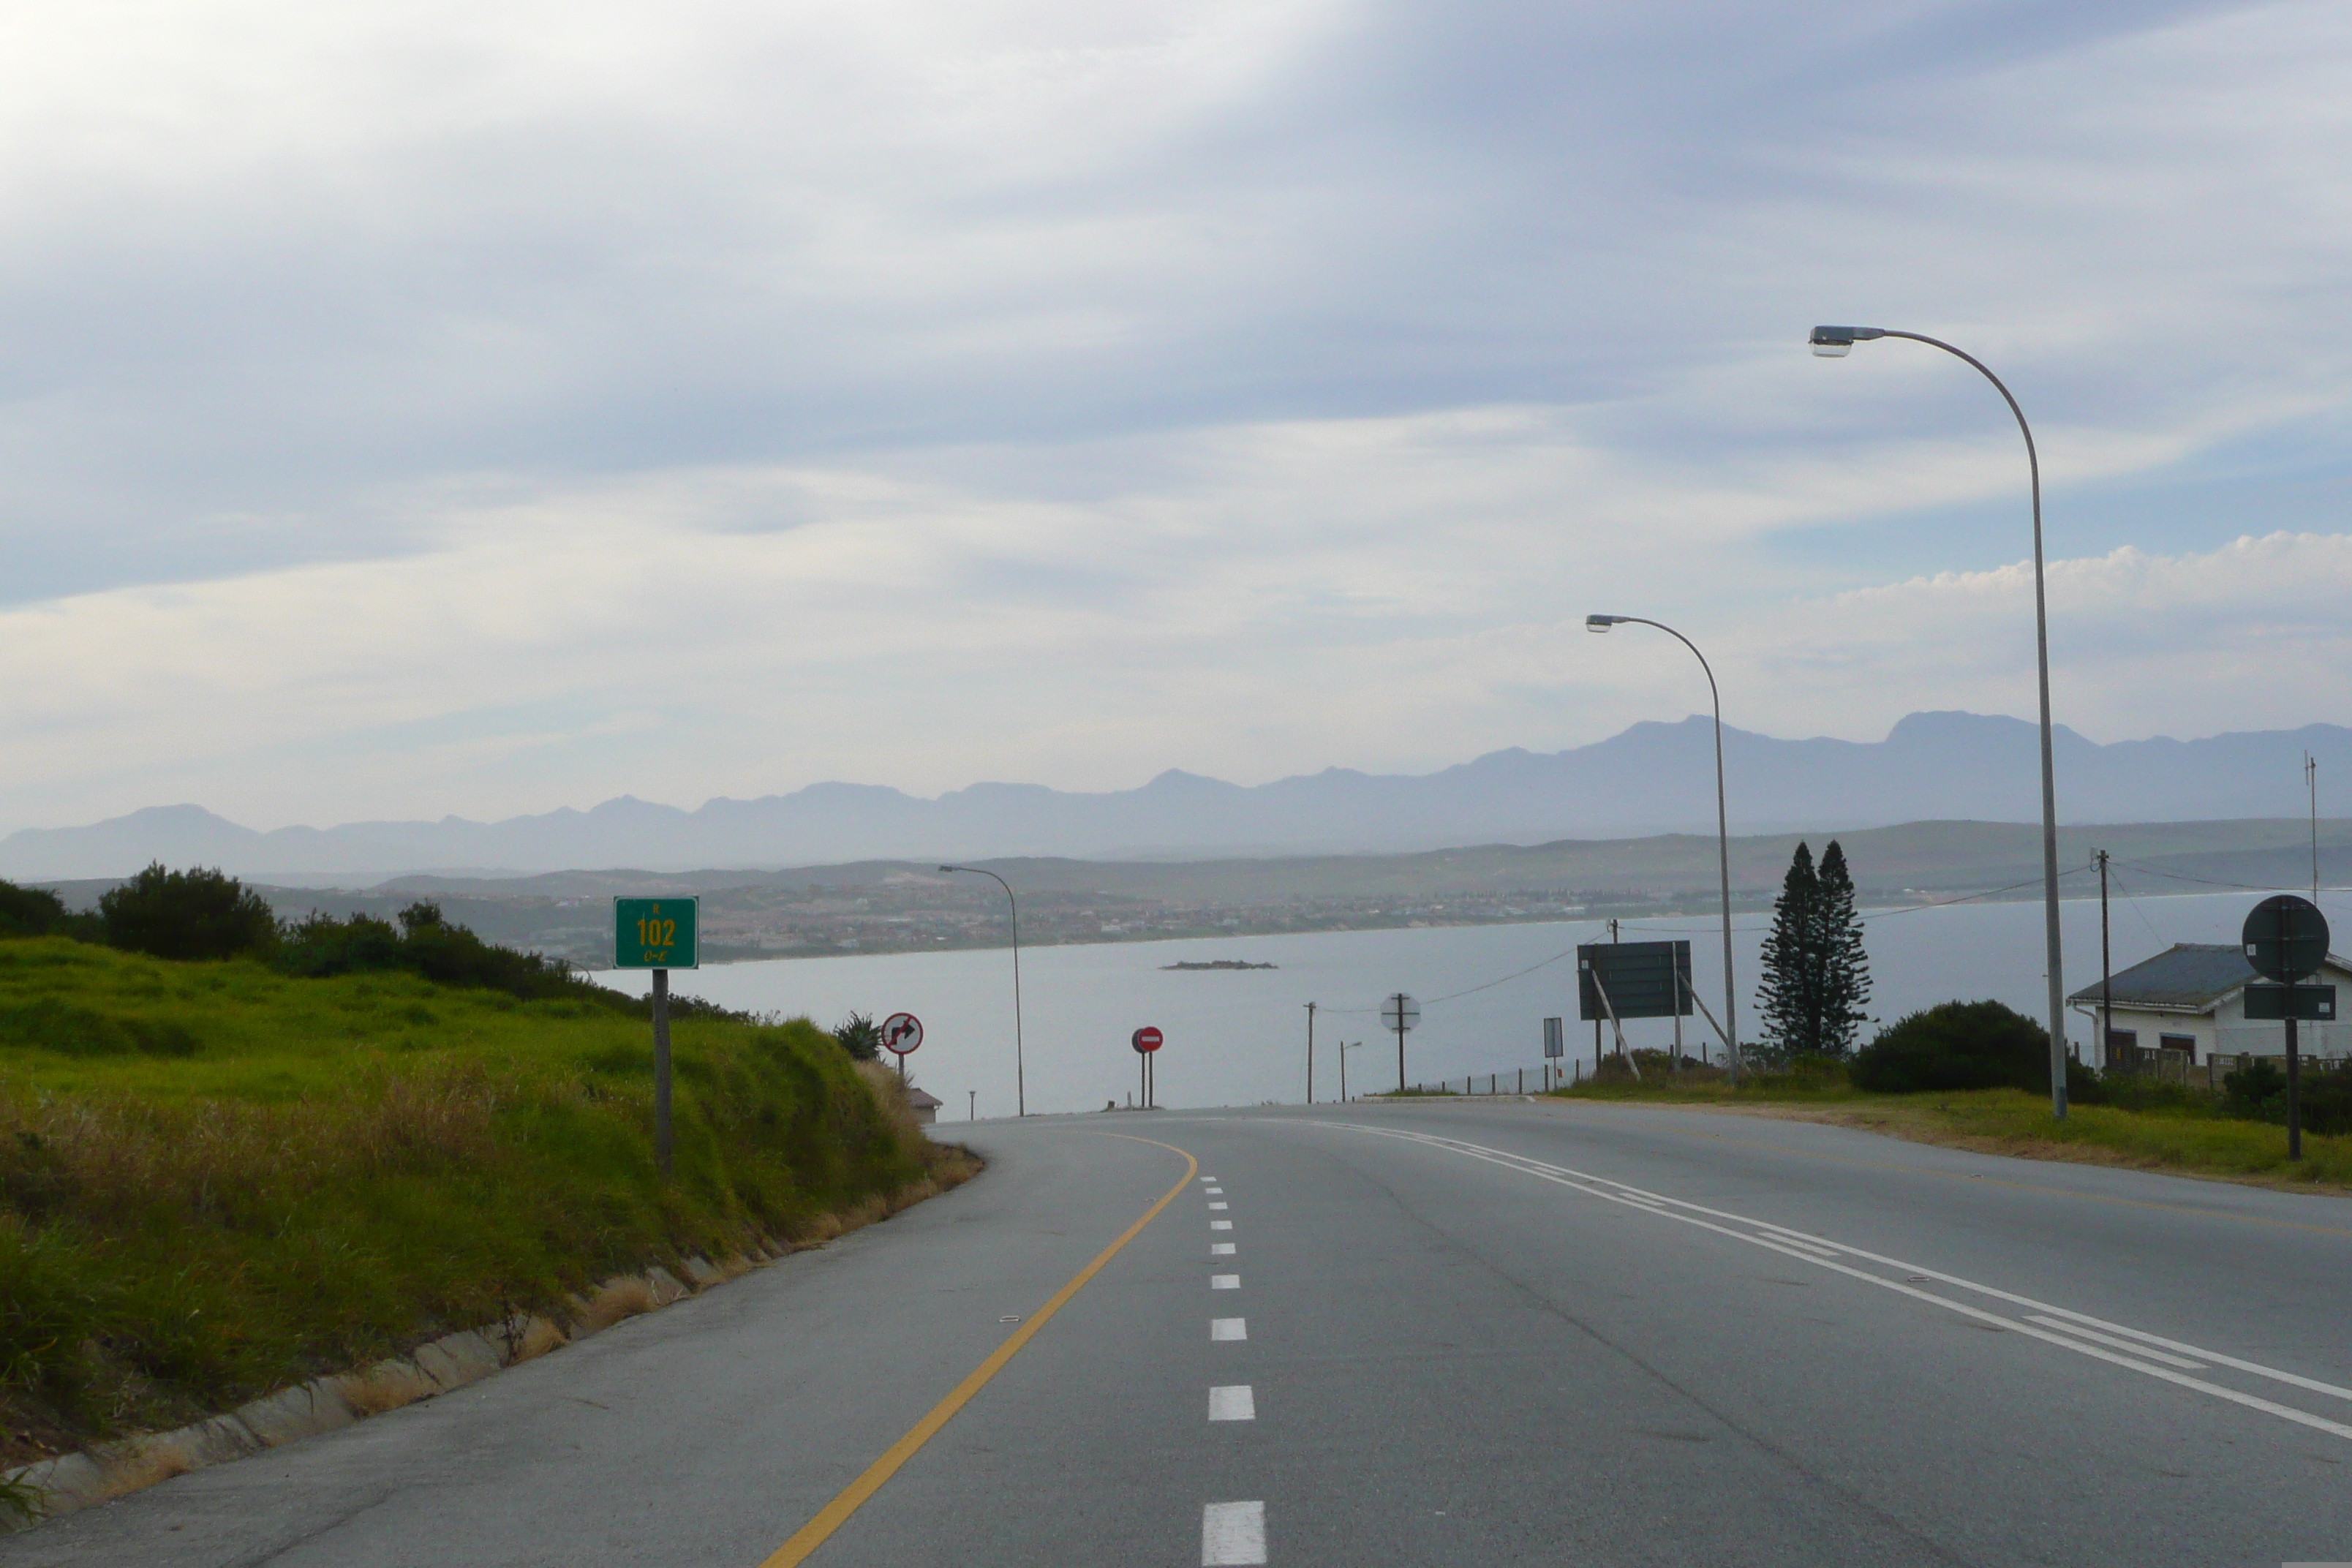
(1722, 821)
(1020, 1092)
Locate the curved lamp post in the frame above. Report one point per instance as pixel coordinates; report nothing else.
(1020, 1093)
(1722, 827)
(1836, 343)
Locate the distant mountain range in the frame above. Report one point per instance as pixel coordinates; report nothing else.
(1650, 778)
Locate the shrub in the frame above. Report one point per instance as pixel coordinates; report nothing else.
(424, 943)
(860, 1036)
(196, 913)
(2257, 1093)
(38, 911)
(1966, 1045)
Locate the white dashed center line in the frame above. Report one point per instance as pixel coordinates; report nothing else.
(1228, 1329)
(1234, 1402)
(1224, 1282)
(1233, 1532)
(1219, 1205)
(1216, 1192)
(1221, 1225)
(1221, 1249)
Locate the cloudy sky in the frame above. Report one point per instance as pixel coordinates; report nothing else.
(429, 408)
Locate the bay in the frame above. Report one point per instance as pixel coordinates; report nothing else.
(1239, 1037)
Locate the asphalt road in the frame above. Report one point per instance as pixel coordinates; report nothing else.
(1470, 1333)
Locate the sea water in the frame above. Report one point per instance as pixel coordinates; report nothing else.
(1240, 1036)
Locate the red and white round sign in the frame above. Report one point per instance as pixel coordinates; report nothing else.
(1147, 1039)
(902, 1033)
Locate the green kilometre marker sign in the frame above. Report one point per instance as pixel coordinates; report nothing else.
(659, 935)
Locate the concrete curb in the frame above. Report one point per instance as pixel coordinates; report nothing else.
(71, 1482)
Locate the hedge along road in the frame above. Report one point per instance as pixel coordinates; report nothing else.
(1484, 1333)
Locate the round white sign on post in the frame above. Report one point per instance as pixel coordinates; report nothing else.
(1399, 1012)
(902, 1034)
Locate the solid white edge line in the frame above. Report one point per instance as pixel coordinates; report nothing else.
(1232, 1535)
(1594, 1186)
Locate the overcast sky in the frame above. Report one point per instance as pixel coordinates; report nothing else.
(457, 408)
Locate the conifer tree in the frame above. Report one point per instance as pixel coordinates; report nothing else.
(1788, 999)
(1844, 967)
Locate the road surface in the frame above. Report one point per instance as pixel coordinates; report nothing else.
(1460, 1333)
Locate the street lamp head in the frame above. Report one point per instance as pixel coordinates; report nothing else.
(1836, 343)
(1601, 623)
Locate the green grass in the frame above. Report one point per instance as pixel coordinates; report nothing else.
(216, 1179)
(2190, 1136)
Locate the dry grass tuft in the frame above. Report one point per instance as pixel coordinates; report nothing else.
(624, 1297)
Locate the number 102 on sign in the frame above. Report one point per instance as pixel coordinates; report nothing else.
(657, 933)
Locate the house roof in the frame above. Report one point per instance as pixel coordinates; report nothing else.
(922, 1100)
(2186, 975)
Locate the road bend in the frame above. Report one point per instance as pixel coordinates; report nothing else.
(1454, 1332)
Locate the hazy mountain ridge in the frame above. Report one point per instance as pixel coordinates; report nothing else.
(1653, 777)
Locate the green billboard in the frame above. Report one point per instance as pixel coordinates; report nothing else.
(657, 933)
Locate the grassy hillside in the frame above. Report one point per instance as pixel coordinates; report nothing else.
(217, 1179)
(2188, 1135)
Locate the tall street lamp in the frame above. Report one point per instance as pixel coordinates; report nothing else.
(1836, 343)
(1020, 1093)
(1722, 821)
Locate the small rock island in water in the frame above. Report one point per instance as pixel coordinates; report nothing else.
(1219, 963)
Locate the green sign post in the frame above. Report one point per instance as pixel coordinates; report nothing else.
(659, 935)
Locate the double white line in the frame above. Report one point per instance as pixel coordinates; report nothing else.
(2152, 1355)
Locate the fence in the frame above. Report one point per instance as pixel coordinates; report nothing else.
(1514, 1080)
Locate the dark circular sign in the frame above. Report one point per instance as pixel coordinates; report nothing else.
(2285, 938)
(1145, 1039)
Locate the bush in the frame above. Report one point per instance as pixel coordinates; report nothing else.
(38, 911)
(424, 943)
(860, 1036)
(197, 913)
(1966, 1045)
(2257, 1093)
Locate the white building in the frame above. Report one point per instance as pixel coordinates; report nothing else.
(2191, 998)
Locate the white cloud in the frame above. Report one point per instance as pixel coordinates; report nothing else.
(478, 408)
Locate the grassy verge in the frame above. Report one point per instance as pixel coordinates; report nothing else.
(216, 1179)
(2188, 1139)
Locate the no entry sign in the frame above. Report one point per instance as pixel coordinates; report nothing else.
(902, 1033)
(1146, 1039)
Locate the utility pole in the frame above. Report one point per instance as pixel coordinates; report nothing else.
(2311, 778)
(2106, 967)
(1310, 1053)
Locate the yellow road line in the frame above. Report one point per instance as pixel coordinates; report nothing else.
(835, 1514)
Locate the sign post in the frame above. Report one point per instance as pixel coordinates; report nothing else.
(1400, 1012)
(1146, 1041)
(659, 935)
(2286, 939)
(902, 1036)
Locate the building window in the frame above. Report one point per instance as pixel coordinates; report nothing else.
(2177, 1043)
(2127, 1039)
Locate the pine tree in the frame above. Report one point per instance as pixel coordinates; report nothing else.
(1788, 999)
(1845, 968)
